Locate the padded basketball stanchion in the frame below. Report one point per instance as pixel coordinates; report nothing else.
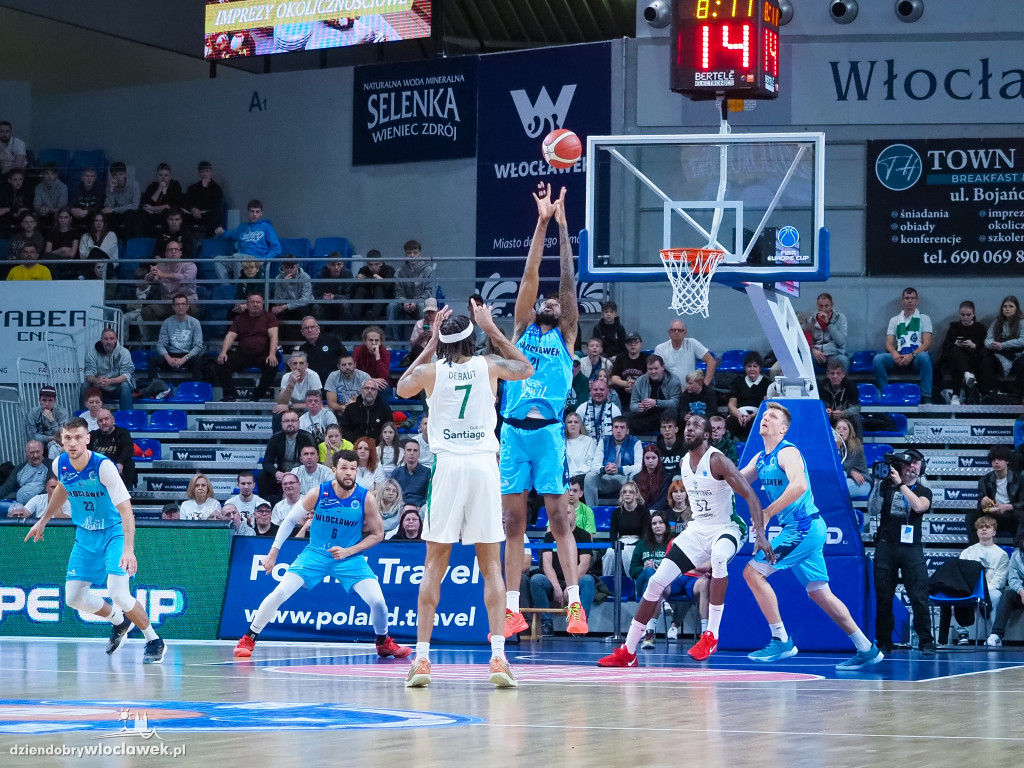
(616, 636)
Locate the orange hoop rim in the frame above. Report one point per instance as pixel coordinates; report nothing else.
(699, 260)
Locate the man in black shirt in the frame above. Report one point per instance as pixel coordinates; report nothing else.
(204, 202)
(842, 401)
(671, 447)
(900, 501)
(628, 366)
(322, 349)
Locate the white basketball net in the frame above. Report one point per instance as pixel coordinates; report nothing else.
(690, 271)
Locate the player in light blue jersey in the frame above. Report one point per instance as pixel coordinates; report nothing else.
(345, 523)
(799, 546)
(104, 551)
(532, 436)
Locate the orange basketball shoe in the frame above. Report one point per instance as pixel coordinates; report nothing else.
(577, 617)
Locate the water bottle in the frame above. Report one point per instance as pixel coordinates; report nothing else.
(440, 298)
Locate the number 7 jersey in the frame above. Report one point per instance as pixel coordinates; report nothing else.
(461, 408)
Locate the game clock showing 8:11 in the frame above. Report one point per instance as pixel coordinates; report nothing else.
(728, 47)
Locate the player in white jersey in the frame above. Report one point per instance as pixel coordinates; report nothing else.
(464, 498)
(710, 540)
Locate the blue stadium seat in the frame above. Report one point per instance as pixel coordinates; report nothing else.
(732, 360)
(900, 394)
(873, 452)
(861, 361)
(193, 392)
(140, 359)
(603, 518)
(168, 421)
(868, 394)
(59, 157)
(297, 247)
(900, 431)
(327, 245)
(628, 586)
(136, 251)
(542, 518)
(209, 250)
(132, 420)
(148, 444)
(90, 158)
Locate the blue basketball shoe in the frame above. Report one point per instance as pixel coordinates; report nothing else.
(776, 650)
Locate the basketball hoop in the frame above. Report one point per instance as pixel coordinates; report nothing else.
(690, 271)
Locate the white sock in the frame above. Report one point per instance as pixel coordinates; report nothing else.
(423, 651)
(150, 633)
(714, 618)
(512, 601)
(572, 595)
(498, 646)
(860, 640)
(779, 631)
(636, 631)
(703, 625)
(116, 615)
(652, 626)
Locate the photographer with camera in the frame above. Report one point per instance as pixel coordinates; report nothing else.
(898, 502)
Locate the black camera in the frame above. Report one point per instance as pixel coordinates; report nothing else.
(897, 460)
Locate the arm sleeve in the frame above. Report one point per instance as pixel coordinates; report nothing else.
(672, 393)
(293, 518)
(198, 347)
(113, 482)
(839, 331)
(273, 244)
(127, 366)
(306, 297)
(598, 461)
(90, 364)
(163, 339)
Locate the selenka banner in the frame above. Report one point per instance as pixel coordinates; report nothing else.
(327, 612)
(405, 113)
(945, 207)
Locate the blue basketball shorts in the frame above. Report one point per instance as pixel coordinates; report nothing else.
(96, 555)
(801, 552)
(533, 458)
(314, 565)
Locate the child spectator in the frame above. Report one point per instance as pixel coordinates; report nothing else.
(610, 331)
(1013, 599)
(997, 566)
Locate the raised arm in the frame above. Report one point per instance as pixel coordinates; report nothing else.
(509, 363)
(569, 322)
(527, 298)
(420, 375)
(297, 514)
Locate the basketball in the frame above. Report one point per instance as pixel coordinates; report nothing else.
(562, 148)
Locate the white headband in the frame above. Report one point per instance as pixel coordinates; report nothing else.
(451, 338)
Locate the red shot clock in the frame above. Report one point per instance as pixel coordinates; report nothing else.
(728, 47)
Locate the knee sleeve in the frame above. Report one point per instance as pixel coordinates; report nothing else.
(722, 551)
(78, 596)
(816, 586)
(369, 590)
(661, 580)
(120, 594)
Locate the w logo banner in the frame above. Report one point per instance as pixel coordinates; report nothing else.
(543, 116)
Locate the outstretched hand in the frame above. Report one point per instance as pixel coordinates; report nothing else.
(435, 327)
(560, 209)
(546, 206)
(483, 315)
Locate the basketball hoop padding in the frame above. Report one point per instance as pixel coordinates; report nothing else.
(689, 271)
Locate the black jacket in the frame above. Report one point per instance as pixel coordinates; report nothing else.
(358, 419)
(1014, 489)
(119, 447)
(613, 336)
(273, 459)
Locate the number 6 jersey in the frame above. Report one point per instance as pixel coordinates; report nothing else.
(461, 407)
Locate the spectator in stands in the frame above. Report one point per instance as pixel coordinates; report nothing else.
(292, 490)
(172, 228)
(389, 450)
(293, 297)
(900, 502)
(283, 454)
(610, 331)
(421, 330)
(172, 276)
(697, 397)
(594, 362)
(12, 149)
(263, 526)
(237, 524)
(410, 525)
(28, 479)
(1000, 496)
(245, 500)
(162, 194)
(579, 389)
(333, 442)
(116, 444)
(855, 465)
(368, 474)
(62, 243)
(618, 459)
(322, 349)
(412, 477)
(100, 238)
(34, 508)
(250, 281)
(907, 340)
(579, 446)
(14, 200)
(597, 412)
(962, 349)
(746, 395)
(199, 503)
(296, 384)
(365, 416)
(204, 202)
(170, 511)
(256, 332)
(628, 523)
(374, 296)
(422, 437)
(996, 564)
(828, 330)
(316, 419)
(647, 556)
(309, 471)
(29, 268)
(678, 511)
(389, 502)
(255, 238)
(87, 199)
(628, 366)
(670, 447)
(654, 393)
(840, 395)
(373, 358)
(344, 385)
(1004, 344)
(122, 202)
(27, 234)
(109, 368)
(681, 353)
(50, 196)
(93, 400)
(722, 440)
(584, 514)
(332, 289)
(652, 480)
(1013, 598)
(547, 586)
(180, 344)
(414, 284)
